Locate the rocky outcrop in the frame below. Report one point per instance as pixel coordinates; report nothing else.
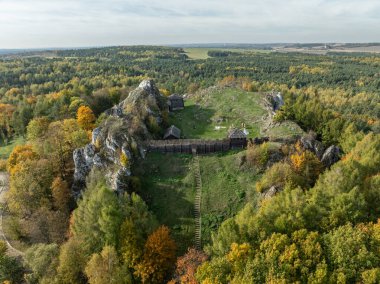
(328, 157)
(117, 141)
(276, 100)
(331, 156)
(309, 142)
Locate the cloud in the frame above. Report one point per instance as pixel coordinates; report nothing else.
(47, 23)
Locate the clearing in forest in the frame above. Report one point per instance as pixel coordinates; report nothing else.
(168, 185)
(209, 113)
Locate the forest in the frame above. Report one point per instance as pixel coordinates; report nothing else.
(322, 225)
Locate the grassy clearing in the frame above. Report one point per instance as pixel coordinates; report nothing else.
(6, 150)
(227, 186)
(220, 108)
(196, 53)
(285, 129)
(168, 185)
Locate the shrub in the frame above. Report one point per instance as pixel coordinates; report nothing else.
(277, 176)
(258, 155)
(3, 165)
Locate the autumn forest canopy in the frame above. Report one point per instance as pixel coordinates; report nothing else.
(86, 203)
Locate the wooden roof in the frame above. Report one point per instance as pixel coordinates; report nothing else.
(175, 97)
(172, 131)
(235, 133)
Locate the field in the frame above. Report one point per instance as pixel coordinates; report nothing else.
(201, 52)
(168, 185)
(209, 115)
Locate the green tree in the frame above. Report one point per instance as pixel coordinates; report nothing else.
(37, 128)
(10, 268)
(105, 268)
(42, 259)
(72, 261)
(349, 253)
(98, 218)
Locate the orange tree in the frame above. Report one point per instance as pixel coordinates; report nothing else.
(158, 258)
(86, 118)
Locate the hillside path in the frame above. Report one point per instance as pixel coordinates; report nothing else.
(4, 178)
(197, 203)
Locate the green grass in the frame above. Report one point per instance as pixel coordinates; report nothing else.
(219, 108)
(227, 186)
(6, 150)
(197, 53)
(168, 186)
(286, 129)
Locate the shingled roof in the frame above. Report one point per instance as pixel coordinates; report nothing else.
(172, 131)
(175, 97)
(235, 133)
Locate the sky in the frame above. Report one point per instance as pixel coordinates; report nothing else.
(83, 23)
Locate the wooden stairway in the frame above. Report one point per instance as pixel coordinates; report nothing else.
(197, 204)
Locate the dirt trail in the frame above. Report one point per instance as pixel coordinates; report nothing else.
(3, 189)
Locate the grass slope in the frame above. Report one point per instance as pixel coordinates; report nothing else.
(209, 114)
(227, 186)
(219, 108)
(168, 186)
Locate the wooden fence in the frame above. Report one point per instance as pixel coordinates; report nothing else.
(188, 146)
(200, 146)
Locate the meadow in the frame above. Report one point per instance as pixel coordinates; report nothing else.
(168, 185)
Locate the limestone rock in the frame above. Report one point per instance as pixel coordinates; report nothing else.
(83, 161)
(309, 142)
(331, 156)
(123, 131)
(270, 192)
(95, 134)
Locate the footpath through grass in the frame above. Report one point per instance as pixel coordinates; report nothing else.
(168, 186)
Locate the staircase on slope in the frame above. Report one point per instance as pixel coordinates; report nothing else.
(197, 203)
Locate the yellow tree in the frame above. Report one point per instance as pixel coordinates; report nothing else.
(306, 165)
(20, 153)
(86, 118)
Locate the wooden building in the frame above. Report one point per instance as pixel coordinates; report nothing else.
(238, 139)
(172, 133)
(175, 102)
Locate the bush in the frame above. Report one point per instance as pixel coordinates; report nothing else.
(3, 165)
(277, 176)
(258, 155)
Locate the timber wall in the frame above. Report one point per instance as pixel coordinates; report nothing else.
(188, 146)
(201, 146)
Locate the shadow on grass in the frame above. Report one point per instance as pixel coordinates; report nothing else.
(168, 189)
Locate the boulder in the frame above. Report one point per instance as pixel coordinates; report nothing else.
(270, 192)
(309, 142)
(331, 156)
